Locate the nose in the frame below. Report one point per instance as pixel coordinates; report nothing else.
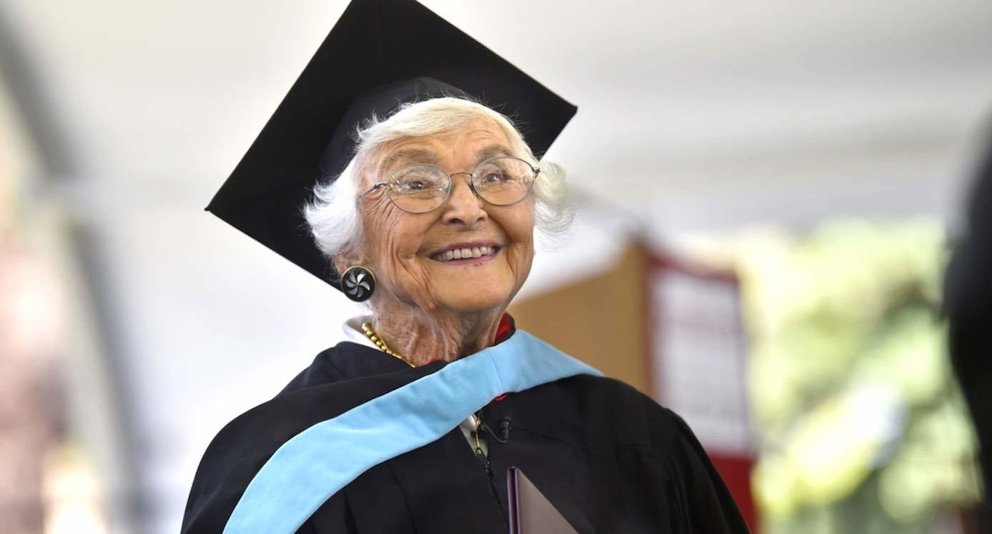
(463, 206)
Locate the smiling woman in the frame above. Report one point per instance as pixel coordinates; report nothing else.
(333, 217)
(447, 273)
(427, 205)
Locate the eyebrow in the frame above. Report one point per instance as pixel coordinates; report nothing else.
(413, 155)
(418, 156)
(491, 151)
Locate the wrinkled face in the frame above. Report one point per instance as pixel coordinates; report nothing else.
(467, 255)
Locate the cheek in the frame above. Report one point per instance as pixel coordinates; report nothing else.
(519, 226)
(521, 259)
(388, 235)
(396, 239)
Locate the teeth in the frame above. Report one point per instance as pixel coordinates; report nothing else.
(464, 253)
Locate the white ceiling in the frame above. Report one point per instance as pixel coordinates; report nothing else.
(675, 98)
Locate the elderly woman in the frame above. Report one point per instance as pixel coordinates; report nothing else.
(411, 425)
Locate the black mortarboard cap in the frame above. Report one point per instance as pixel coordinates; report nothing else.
(380, 55)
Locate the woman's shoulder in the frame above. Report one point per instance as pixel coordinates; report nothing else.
(604, 395)
(596, 411)
(600, 386)
(345, 361)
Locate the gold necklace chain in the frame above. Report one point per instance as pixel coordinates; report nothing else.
(375, 338)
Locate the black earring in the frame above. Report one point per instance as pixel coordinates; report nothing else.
(358, 283)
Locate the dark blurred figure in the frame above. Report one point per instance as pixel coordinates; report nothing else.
(968, 304)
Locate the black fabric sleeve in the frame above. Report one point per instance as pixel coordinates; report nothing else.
(333, 517)
(701, 502)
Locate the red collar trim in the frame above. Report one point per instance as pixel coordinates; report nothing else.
(505, 329)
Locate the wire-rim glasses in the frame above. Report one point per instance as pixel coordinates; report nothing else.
(421, 188)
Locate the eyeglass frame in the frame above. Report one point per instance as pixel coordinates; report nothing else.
(451, 181)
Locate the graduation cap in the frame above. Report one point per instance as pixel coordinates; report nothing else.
(380, 54)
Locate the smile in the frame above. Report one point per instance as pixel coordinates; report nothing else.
(466, 253)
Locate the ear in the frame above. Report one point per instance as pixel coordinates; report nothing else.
(349, 257)
(342, 261)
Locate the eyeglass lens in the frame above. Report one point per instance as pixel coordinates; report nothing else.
(498, 181)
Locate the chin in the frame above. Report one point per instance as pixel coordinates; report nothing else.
(477, 300)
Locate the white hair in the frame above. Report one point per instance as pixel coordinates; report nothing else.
(333, 216)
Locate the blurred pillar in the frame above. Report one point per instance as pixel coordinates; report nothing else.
(38, 157)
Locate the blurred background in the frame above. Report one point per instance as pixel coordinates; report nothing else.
(766, 193)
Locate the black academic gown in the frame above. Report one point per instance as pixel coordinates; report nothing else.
(609, 458)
